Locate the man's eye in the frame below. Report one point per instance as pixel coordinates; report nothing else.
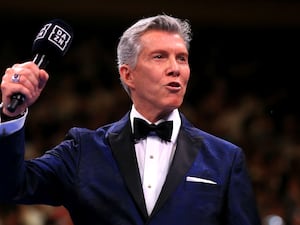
(182, 58)
(158, 56)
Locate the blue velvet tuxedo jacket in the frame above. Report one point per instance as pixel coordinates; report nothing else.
(94, 174)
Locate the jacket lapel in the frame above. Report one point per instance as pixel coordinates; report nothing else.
(122, 146)
(186, 152)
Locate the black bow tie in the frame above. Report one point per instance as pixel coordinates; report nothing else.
(142, 129)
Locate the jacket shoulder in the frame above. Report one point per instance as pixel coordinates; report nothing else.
(207, 139)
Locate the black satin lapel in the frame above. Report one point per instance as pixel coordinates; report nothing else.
(186, 152)
(124, 152)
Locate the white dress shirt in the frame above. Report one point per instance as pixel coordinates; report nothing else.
(9, 127)
(154, 158)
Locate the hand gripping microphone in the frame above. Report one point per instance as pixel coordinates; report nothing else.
(52, 42)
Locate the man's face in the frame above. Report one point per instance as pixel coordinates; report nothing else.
(159, 80)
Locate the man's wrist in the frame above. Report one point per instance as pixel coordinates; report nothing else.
(5, 118)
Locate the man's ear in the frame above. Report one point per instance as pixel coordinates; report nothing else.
(126, 75)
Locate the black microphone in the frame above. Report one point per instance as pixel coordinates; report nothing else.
(52, 42)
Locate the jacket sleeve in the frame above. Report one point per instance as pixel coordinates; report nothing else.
(241, 203)
(42, 180)
(11, 163)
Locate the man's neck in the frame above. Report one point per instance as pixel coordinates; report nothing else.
(153, 116)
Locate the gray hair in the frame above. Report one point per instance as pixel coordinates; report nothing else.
(129, 45)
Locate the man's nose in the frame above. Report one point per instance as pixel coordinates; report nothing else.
(173, 68)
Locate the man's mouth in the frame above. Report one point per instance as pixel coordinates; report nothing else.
(174, 85)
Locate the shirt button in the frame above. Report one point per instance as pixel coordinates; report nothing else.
(151, 157)
(149, 186)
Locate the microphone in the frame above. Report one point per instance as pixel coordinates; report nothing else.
(52, 42)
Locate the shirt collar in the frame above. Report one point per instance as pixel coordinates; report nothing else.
(173, 116)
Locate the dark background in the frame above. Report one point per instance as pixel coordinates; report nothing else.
(244, 82)
(252, 44)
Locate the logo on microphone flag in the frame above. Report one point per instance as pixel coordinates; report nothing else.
(57, 35)
(60, 37)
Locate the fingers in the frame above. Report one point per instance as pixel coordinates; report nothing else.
(28, 75)
(21, 78)
(43, 78)
(25, 78)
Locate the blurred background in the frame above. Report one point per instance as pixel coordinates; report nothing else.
(243, 87)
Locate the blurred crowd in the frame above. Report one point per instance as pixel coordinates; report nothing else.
(235, 93)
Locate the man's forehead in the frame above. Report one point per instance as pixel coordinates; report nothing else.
(157, 37)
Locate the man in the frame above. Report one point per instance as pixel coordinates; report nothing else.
(114, 175)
